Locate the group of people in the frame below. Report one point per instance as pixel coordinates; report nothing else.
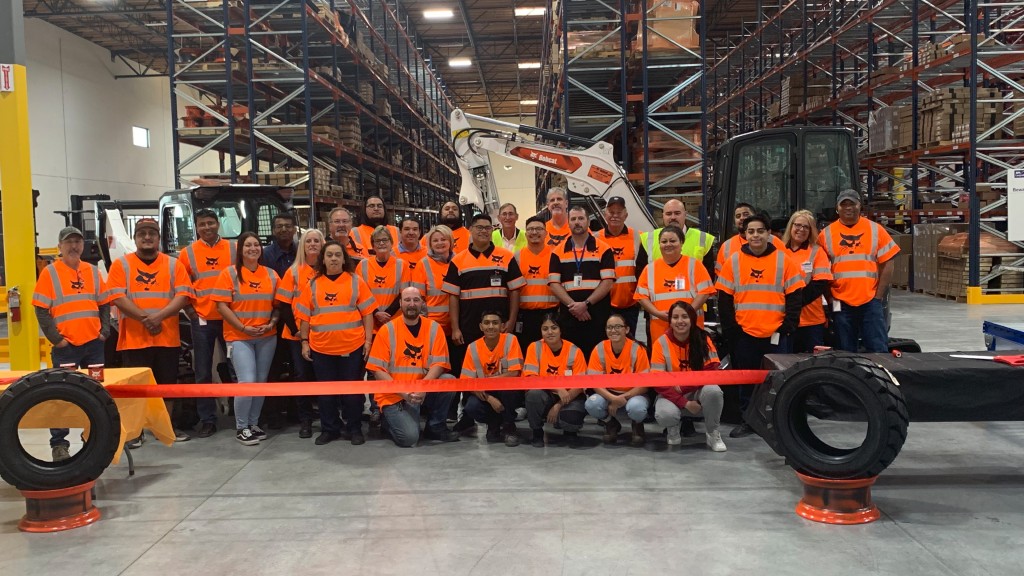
(389, 303)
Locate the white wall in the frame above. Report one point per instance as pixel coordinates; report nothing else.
(80, 124)
(517, 184)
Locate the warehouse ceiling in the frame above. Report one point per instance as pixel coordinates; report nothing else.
(487, 32)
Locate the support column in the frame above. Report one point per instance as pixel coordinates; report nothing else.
(16, 187)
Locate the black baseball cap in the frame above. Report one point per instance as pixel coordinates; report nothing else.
(616, 200)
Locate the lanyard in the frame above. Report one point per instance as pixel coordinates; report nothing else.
(579, 259)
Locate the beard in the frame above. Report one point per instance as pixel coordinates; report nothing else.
(375, 221)
(452, 222)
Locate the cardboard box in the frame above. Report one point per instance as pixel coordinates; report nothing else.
(926, 253)
(901, 262)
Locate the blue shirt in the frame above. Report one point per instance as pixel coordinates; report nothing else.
(278, 259)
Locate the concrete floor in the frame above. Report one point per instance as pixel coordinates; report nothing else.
(952, 503)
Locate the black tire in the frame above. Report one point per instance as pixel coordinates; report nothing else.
(25, 472)
(879, 398)
(904, 345)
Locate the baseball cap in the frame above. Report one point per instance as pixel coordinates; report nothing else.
(68, 232)
(147, 223)
(848, 194)
(616, 200)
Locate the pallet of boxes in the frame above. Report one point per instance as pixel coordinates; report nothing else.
(954, 261)
(795, 94)
(945, 115)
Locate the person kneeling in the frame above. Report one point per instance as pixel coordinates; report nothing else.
(687, 348)
(619, 355)
(496, 355)
(563, 407)
(412, 347)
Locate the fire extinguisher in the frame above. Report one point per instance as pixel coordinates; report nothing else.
(14, 304)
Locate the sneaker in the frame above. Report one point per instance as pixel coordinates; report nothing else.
(357, 438)
(520, 414)
(180, 436)
(135, 442)
(441, 434)
(741, 431)
(326, 438)
(673, 438)
(375, 421)
(206, 429)
(245, 437)
(612, 427)
(687, 428)
(538, 438)
(510, 435)
(258, 432)
(572, 439)
(494, 432)
(305, 429)
(639, 435)
(715, 441)
(60, 453)
(465, 426)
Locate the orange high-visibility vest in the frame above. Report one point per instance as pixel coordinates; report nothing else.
(813, 265)
(625, 248)
(364, 231)
(631, 360)
(482, 362)
(536, 292)
(428, 278)
(557, 236)
(541, 361)
(662, 285)
(733, 245)
(251, 298)
(334, 310)
(386, 281)
(404, 356)
(759, 286)
(204, 263)
(73, 297)
(151, 287)
(289, 288)
(460, 240)
(667, 356)
(412, 258)
(855, 252)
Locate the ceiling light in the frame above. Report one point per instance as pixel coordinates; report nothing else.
(460, 62)
(529, 65)
(528, 102)
(438, 14)
(530, 11)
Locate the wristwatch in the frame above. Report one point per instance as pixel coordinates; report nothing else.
(587, 302)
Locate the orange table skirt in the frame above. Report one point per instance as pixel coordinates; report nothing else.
(136, 413)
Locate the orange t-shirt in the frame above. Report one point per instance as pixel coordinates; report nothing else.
(557, 235)
(151, 287)
(541, 361)
(406, 357)
(855, 252)
(460, 240)
(412, 258)
(662, 284)
(73, 297)
(334, 310)
(428, 278)
(250, 297)
(536, 292)
(482, 362)
(288, 291)
(204, 263)
(632, 359)
(814, 265)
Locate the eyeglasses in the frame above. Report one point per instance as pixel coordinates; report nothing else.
(382, 241)
(615, 327)
(801, 226)
(482, 228)
(536, 230)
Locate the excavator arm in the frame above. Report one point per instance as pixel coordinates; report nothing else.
(589, 167)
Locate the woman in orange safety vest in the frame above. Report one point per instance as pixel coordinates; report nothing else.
(553, 356)
(619, 355)
(802, 248)
(670, 278)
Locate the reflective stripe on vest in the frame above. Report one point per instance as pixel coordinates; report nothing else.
(317, 308)
(778, 287)
(633, 348)
(239, 297)
(59, 297)
(691, 271)
(128, 283)
(194, 273)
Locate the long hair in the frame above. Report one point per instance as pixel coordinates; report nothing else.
(812, 237)
(697, 342)
(348, 264)
(239, 260)
(300, 253)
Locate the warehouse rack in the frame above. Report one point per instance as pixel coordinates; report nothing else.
(630, 72)
(845, 63)
(331, 97)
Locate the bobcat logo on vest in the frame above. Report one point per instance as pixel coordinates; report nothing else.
(669, 283)
(412, 265)
(211, 262)
(757, 275)
(78, 285)
(615, 371)
(147, 279)
(380, 280)
(850, 241)
(496, 259)
(491, 367)
(254, 285)
(552, 370)
(413, 353)
(330, 298)
(533, 270)
(556, 239)
(618, 252)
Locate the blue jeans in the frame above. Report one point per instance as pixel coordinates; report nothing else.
(807, 337)
(332, 368)
(81, 356)
(636, 407)
(204, 342)
(252, 360)
(482, 412)
(864, 324)
(748, 353)
(303, 372)
(403, 418)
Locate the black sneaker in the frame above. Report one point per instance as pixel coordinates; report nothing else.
(494, 432)
(441, 434)
(135, 442)
(245, 437)
(466, 426)
(206, 430)
(305, 429)
(741, 431)
(326, 438)
(572, 439)
(686, 428)
(181, 436)
(510, 434)
(357, 438)
(538, 438)
(258, 432)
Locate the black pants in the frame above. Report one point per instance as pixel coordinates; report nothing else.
(162, 360)
(331, 368)
(482, 412)
(586, 335)
(528, 326)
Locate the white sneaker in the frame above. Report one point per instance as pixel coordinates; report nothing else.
(715, 441)
(674, 438)
(520, 414)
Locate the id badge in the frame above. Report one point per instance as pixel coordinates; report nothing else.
(227, 351)
(577, 281)
(496, 280)
(568, 372)
(807, 267)
(837, 306)
(680, 283)
(202, 321)
(519, 327)
(775, 339)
